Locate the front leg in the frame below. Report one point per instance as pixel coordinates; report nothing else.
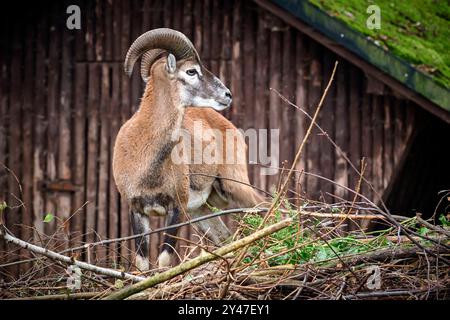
(168, 247)
(141, 224)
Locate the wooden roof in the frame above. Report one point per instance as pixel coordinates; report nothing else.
(395, 72)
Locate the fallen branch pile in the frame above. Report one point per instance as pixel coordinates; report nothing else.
(384, 265)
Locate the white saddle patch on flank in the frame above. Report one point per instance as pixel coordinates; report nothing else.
(198, 198)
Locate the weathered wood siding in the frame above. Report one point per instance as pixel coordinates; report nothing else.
(63, 97)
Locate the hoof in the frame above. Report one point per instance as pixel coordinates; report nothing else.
(164, 260)
(142, 263)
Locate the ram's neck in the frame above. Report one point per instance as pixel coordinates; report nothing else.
(161, 120)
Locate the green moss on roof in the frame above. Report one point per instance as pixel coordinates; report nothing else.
(418, 31)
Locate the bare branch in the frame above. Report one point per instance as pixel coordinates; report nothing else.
(69, 260)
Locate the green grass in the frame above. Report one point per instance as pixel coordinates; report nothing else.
(308, 247)
(417, 31)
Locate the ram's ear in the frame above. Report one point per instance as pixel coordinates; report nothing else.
(171, 65)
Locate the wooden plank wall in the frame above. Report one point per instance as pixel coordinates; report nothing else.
(63, 97)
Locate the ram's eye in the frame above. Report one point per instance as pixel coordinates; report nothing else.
(191, 72)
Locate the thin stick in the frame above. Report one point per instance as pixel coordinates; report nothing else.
(380, 255)
(342, 153)
(302, 145)
(358, 186)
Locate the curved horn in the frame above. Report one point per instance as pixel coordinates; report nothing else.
(148, 58)
(163, 38)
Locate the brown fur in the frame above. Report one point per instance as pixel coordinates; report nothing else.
(143, 170)
(240, 194)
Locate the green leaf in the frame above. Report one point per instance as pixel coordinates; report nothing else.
(444, 221)
(335, 210)
(423, 231)
(3, 206)
(48, 218)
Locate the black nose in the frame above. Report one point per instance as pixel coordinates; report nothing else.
(228, 95)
